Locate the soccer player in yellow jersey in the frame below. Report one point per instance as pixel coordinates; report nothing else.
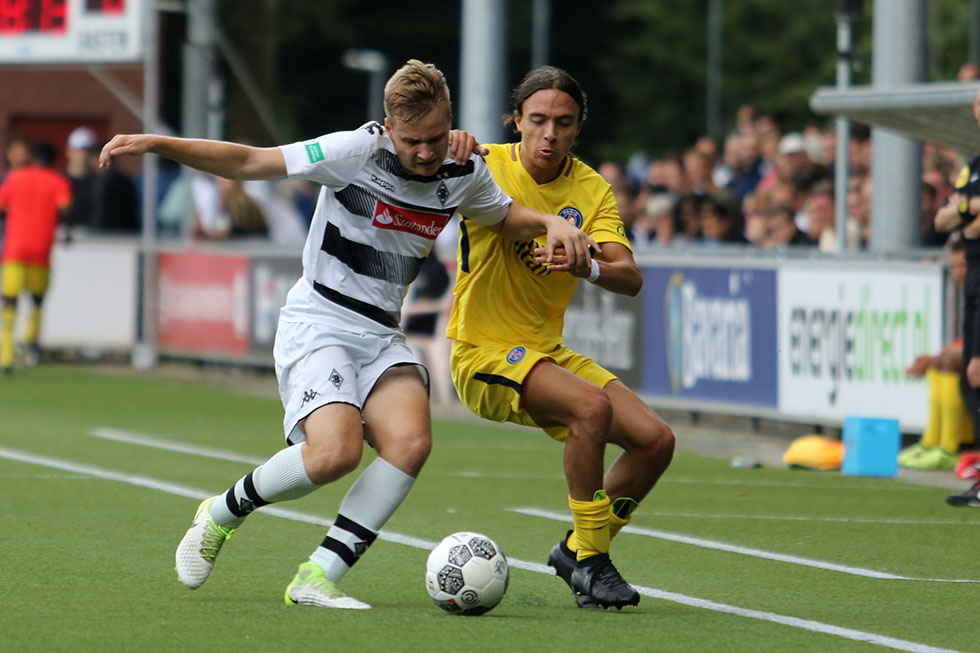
(508, 360)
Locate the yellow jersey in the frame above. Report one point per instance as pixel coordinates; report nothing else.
(502, 296)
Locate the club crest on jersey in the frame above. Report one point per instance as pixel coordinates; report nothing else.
(442, 192)
(420, 223)
(516, 355)
(572, 212)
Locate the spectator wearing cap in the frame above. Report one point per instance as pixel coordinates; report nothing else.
(799, 169)
(81, 173)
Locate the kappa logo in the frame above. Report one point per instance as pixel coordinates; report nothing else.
(336, 379)
(516, 355)
(381, 182)
(442, 192)
(427, 225)
(310, 395)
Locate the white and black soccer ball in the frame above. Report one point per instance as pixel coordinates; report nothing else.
(467, 574)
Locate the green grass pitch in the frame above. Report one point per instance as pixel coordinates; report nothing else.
(766, 559)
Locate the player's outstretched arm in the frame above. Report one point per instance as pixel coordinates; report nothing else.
(523, 223)
(229, 160)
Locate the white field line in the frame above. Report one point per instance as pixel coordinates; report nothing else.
(129, 437)
(845, 520)
(172, 445)
(407, 540)
(139, 439)
(742, 550)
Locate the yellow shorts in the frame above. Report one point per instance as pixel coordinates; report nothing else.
(489, 379)
(15, 278)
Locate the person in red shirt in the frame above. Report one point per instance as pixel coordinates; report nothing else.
(32, 200)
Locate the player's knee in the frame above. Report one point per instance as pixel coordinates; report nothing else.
(593, 414)
(663, 443)
(326, 463)
(409, 452)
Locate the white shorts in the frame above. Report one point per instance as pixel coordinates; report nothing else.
(318, 365)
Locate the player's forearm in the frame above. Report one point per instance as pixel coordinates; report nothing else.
(523, 223)
(621, 277)
(947, 219)
(972, 229)
(229, 160)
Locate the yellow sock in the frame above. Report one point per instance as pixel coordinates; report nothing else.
(591, 520)
(33, 325)
(951, 409)
(930, 437)
(7, 336)
(616, 524)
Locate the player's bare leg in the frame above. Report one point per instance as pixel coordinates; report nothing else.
(554, 396)
(647, 442)
(396, 419)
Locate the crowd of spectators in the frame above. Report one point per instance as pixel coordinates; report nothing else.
(189, 205)
(764, 186)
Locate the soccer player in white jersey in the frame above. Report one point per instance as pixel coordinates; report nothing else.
(345, 373)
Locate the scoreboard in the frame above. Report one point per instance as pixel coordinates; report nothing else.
(71, 31)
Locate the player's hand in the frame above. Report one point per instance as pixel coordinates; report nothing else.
(567, 249)
(919, 366)
(956, 198)
(121, 144)
(462, 144)
(974, 206)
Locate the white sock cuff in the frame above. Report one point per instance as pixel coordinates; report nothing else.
(283, 477)
(376, 493)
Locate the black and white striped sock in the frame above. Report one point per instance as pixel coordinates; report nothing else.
(371, 500)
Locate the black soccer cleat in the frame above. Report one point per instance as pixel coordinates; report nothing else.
(563, 560)
(594, 581)
(968, 498)
(597, 577)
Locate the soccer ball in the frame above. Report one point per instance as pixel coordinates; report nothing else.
(467, 574)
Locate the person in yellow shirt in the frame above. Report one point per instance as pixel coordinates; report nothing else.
(508, 361)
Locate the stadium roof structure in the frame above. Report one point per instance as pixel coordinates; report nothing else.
(937, 112)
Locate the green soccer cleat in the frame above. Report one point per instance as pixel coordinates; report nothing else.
(200, 546)
(310, 586)
(937, 458)
(910, 453)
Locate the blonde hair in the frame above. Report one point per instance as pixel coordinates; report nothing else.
(414, 90)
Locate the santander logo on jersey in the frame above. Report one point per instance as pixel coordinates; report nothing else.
(427, 225)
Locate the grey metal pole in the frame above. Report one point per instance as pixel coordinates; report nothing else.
(540, 33)
(144, 355)
(375, 64)
(843, 131)
(899, 58)
(712, 94)
(198, 71)
(484, 43)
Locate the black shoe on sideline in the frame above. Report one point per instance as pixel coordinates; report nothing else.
(968, 498)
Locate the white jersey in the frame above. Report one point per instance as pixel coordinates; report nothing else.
(374, 225)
